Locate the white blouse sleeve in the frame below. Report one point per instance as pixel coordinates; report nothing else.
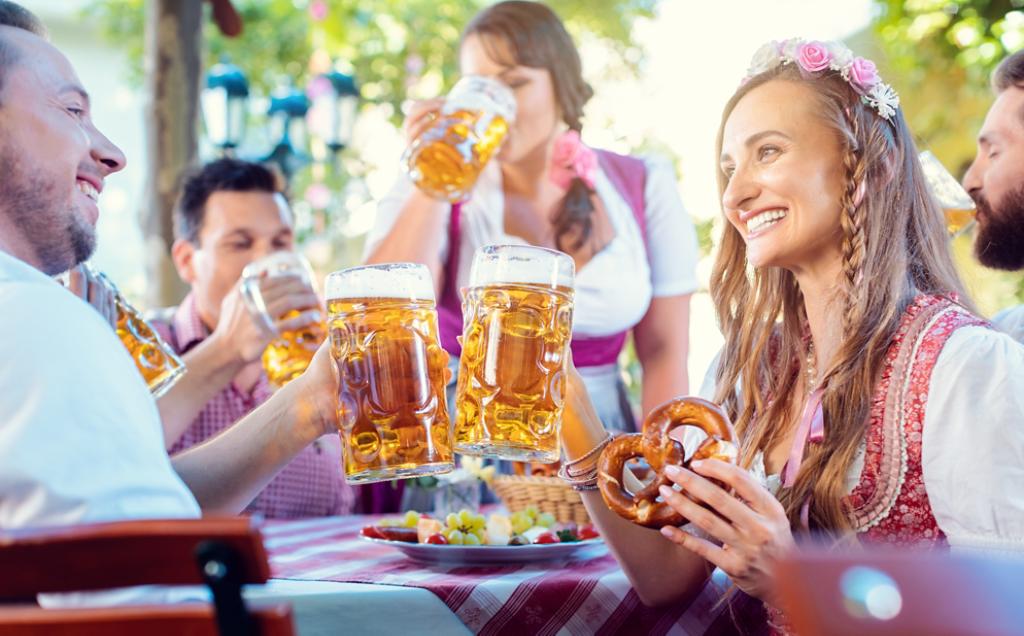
(973, 441)
(671, 239)
(388, 210)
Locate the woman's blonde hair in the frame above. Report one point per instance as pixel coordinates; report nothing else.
(894, 246)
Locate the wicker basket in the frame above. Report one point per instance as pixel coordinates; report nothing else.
(548, 494)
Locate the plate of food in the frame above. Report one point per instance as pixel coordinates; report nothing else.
(469, 538)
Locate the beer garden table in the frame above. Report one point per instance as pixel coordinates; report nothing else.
(338, 583)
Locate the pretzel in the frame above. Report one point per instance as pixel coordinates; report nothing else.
(660, 450)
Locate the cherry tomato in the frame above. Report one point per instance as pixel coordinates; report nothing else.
(546, 537)
(587, 532)
(437, 539)
(371, 532)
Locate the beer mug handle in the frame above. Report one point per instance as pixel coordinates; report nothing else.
(253, 299)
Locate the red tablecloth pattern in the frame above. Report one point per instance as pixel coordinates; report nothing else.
(589, 596)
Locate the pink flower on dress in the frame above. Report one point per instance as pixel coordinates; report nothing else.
(813, 57)
(863, 74)
(571, 159)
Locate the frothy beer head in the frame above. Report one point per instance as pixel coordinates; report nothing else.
(411, 281)
(523, 264)
(280, 264)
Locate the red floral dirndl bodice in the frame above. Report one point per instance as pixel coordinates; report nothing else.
(889, 504)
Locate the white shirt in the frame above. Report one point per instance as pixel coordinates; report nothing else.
(1011, 321)
(80, 436)
(972, 447)
(614, 289)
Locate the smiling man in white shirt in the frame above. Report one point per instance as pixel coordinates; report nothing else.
(80, 436)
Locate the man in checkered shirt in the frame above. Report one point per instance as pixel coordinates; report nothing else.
(229, 214)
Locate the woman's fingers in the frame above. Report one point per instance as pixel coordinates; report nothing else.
(703, 548)
(420, 115)
(718, 499)
(699, 516)
(742, 482)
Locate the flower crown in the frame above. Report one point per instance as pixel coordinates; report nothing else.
(815, 58)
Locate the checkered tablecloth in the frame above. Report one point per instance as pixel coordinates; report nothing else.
(590, 596)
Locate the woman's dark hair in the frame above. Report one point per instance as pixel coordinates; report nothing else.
(534, 36)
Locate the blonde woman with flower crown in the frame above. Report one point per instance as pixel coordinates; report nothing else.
(880, 407)
(619, 217)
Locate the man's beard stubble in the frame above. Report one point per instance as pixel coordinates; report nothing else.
(999, 243)
(57, 235)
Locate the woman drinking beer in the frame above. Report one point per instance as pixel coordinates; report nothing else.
(620, 218)
(858, 379)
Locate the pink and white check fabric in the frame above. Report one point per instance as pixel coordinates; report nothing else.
(311, 485)
(555, 597)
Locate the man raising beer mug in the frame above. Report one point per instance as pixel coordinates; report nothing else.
(229, 215)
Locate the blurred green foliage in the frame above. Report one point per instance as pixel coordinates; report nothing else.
(393, 47)
(940, 55)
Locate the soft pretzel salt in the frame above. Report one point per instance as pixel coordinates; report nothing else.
(659, 450)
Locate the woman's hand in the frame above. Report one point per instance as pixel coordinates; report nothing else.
(419, 115)
(752, 526)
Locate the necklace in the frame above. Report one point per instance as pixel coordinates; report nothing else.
(812, 369)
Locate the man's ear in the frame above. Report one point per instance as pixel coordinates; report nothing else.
(182, 253)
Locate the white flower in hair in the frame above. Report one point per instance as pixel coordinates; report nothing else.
(789, 49)
(765, 59)
(883, 99)
(841, 57)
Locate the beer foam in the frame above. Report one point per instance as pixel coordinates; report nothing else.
(480, 93)
(522, 264)
(390, 280)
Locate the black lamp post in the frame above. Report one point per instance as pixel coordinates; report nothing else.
(335, 99)
(224, 106)
(344, 96)
(287, 112)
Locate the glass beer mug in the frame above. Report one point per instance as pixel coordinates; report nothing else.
(445, 160)
(159, 365)
(957, 206)
(517, 316)
(290, 353)
(392, 414)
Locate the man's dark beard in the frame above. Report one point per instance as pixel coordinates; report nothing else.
(1000, 239)
(33, 207)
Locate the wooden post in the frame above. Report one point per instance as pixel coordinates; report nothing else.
(173, 68)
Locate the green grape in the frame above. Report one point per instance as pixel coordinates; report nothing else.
(463, 525)
(454, 536)
(546, 519)
(521, 522)
(411, 519)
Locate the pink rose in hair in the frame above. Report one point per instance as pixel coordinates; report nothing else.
(813, 57)
(863, 74)
(571, 159)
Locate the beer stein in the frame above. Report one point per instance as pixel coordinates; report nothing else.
(392, 415)
(159, 365)
(957, 206)
(445, 159)
(288, 355)
(517, 317)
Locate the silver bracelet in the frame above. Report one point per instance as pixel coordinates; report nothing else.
(593, 451)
